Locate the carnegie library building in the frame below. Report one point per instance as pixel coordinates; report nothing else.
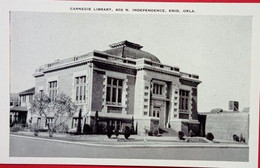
(121, 84)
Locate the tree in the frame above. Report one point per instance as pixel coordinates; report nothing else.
(127, 132)
(40, 105)
(132, 125)
(61, 109)
(109, 130)
(96, 127)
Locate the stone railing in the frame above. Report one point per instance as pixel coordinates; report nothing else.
(187, 75)
(148, 63)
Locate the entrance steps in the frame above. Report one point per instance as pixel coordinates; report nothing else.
(168, 132)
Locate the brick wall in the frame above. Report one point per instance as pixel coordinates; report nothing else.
(65, 83)
(194, 104)
(224, 125)
(65, 78)
(97, 91)
(130, 95)
(40, 82)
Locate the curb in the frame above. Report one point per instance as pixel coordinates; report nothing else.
(186, 145)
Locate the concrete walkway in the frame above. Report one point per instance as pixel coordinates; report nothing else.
(29, 146)
(133, 141)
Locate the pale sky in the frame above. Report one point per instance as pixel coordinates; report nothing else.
(217, 48)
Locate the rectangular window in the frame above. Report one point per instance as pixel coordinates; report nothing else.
(11, 119)
(184, 101)
(114, 91)
(156, 112)
(38, 121)
(158, 89)
(16, 117)
(30, 98)
(49, 120)
(80, 86)
(23, 98)
(53, 90)
(75, 122)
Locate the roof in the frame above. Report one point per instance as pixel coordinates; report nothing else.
(18, 108)
(216, 110)
(130, 50)
(28, 91)
(126, 43)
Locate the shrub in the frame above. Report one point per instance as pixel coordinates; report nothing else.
(127, 132)
(87, 129)
(193, 130)
(109, 131)
(35, 128)
(155, 132)
(191, 133)
(242, 139)
(150, 133)
(64, 128)
(72, 131)
(181, 135)
(210, 136)
(235, 138)
(101, 128)
(16, 128)
(161, 131)
(12, 124)
(116, 132)
(146, 131)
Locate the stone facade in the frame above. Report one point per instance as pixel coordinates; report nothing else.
(121, 84)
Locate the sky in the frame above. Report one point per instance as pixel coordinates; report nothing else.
(217, 48)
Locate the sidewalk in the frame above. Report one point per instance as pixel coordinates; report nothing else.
(133, 141)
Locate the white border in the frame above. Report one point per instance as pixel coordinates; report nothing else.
(60, 6)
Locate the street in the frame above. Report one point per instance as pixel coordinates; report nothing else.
(27, 147)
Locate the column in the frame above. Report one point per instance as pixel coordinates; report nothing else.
(174, 103)
(142, 101)
(175, 122)
(142, 92)
(89, 84)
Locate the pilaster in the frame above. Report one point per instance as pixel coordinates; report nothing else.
(124, 96)
(89, 86)
(174, 102)
(142, 94)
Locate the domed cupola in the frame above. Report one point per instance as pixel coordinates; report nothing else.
(132, 50)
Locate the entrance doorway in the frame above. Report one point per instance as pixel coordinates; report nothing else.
(158, 111)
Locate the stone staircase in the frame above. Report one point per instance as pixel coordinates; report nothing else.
(168, 132)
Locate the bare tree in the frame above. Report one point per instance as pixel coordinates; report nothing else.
(60, 110)
(64, 109)
(40, 105)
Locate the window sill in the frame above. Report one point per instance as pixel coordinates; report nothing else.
(160, 97)
(114, 105)
(184, 112)
(80, 102)
(155, 118)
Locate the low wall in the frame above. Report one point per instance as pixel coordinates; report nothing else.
(225, 125)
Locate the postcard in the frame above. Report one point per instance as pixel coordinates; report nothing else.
(130, 84)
